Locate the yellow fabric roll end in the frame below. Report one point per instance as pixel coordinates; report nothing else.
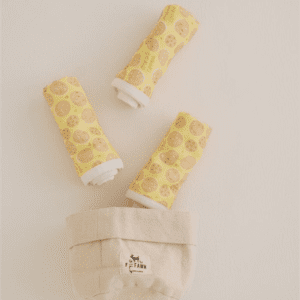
(174, 29)
(83, 136)
(169, 166)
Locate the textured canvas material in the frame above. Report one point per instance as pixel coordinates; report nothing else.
(131, 253)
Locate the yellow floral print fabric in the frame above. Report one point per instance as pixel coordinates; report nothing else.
(174, 29)
(83, 137)
(167, 169)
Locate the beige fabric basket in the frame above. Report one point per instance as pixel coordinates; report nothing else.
(122, 253)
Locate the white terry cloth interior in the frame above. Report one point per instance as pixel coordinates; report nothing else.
(144, 200)
(130, 94)
(102, 173)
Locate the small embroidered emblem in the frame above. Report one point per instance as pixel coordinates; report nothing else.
(135, 264)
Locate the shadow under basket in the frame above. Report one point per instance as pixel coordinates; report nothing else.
(131, 253)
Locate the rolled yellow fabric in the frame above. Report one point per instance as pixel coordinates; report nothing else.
(174, 29)
(95, 159)
(157, 184)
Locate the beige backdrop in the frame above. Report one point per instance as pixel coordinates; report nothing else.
(238, 75)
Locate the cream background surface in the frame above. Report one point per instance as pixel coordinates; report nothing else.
(238, 74)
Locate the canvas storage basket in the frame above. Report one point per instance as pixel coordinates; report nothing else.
(131, 253)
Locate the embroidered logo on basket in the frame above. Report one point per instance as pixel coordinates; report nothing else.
(135, 264)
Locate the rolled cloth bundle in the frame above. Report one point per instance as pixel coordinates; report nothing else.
(157, 184)
(95, 159)
(174, 29)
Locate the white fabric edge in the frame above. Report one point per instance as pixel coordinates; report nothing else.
(132, 94)
(102, 171)
(110, 175)
(144, 200)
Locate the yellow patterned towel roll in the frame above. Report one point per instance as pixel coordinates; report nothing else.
(95, 159)
(157, 184)
(174, 29)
